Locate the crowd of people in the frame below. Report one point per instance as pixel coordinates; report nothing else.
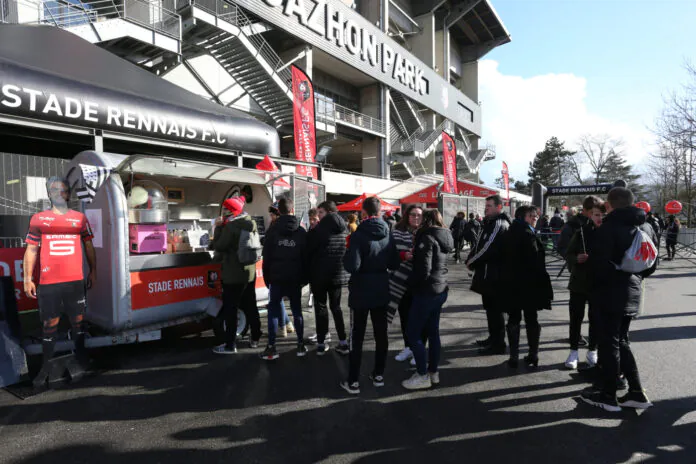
(399, 264)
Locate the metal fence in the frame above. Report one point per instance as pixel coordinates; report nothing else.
(65, 14)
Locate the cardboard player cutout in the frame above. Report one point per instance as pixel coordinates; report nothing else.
(57, 237)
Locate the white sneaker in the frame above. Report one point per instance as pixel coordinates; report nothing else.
(572, 361)
(404, 355)
(417, 382)
(591, 358)
(435, 378)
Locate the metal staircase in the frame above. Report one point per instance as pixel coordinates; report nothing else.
(225, 31)
(138, 30)
(407, 112)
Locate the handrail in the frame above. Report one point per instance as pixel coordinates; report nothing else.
(360, 120)
(64, 14)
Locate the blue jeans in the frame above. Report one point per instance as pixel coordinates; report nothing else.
(275, 305)
(284, 319)
(425, 315)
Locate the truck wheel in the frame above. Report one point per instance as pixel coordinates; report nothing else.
(219, 325)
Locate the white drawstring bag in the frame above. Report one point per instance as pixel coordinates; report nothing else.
(640, 256)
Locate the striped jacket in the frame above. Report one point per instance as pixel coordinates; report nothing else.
(485, 257)
(402, 241)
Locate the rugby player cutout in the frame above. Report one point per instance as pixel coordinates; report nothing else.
(57, 236)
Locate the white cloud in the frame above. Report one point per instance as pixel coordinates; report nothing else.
(521, 114)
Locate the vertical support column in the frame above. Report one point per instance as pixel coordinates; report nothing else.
(98, 141)
(309, 60)
(385, 143)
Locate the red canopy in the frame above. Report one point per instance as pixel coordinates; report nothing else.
(429, 194)
(267, 164)
(356, 204)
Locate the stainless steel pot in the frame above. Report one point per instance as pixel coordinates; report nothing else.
(148, 216)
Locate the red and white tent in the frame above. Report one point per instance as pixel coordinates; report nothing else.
(356, 204)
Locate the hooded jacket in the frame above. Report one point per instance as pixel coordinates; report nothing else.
(486, 258)
(526, 282)
(367, 260)
(326, 245)
(573, 225)
(618, 290)
(431, 248)
(457, 228)
(285, 253)
(226, 242)
(582, 242)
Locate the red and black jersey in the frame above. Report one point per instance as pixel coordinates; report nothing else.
(60, 238)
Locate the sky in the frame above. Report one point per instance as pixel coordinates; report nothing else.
(579, 67)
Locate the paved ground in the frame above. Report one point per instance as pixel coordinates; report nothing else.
(176, 402)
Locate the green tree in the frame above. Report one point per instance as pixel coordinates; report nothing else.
(550, 167)
(501, 184)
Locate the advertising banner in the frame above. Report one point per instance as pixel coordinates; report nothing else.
(304, 122)
(449, 164)
(506, 179)
(11, 264)
(159, 287)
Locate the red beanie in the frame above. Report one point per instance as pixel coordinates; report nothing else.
(235, 205)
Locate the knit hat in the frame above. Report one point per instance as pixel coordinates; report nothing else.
(235, 205)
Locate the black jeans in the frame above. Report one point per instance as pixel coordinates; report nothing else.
(576, 308)
(240, 296)
(671, 249)
(493, 305)
(321, 292)
(617, 356)
(358, 326)
(458, 245)
(530, 316)
(404, 311)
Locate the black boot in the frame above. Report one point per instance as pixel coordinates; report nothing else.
(513, 332)
(48, 347)
(533, 335)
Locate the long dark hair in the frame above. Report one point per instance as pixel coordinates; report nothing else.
(432, 218)
(403, 224)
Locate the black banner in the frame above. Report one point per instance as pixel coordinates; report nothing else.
(578, 190)
(41, 96)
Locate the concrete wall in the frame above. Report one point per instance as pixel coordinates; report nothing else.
(438, 58)
(423, 44)
(469, 81)
(369, 100)
(370, 156)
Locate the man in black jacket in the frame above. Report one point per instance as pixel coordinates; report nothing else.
(485, 259)
(457, 230)
(366, 260)
(618, 296)
(285, 273)
(326, 248)
(472, 230)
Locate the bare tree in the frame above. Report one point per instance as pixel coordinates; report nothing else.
(597, 152)
(676, 133)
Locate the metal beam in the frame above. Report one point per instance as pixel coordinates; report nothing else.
(460, 10)
(201, 81)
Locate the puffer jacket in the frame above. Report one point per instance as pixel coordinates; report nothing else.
(486, 256)
(431, 247)
(618, 290)
(226, 243)
(526, 283)
(367, 261)
(285, 253)
(326, 245)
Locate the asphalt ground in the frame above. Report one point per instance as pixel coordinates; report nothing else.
(174, 401)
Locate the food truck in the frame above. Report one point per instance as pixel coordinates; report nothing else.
(164, 160)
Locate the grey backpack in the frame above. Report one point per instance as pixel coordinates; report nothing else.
(250, 249)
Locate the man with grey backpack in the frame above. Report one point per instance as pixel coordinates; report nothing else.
(624, 253)
(236, 242)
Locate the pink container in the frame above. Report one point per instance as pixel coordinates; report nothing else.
(147, 238)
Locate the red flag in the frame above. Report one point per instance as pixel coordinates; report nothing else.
(303, 117)
(506, 179)
(267, 164)
(449, 163)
